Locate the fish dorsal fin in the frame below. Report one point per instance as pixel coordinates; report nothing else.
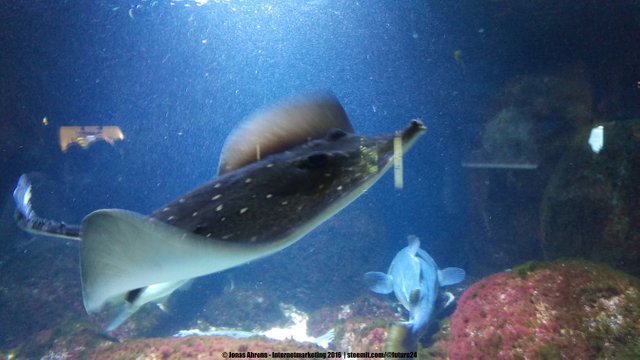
(281, 128)
(414, 244)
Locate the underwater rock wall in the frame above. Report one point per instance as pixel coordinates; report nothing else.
(40, 298)
(518, 149)
(591, 206)
(540, 192)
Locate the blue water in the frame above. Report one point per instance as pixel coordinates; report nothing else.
(177, 77)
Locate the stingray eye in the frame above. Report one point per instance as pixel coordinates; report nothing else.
(336, 134)
(315, 161)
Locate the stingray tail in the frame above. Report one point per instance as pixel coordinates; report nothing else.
(29, 221)
(401, 340)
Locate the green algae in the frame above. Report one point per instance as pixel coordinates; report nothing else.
(525, 269)
(549, 351)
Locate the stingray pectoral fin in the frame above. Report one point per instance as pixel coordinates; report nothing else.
(122, 250)
(123, 315)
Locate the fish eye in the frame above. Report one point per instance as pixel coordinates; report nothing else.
(315, 161)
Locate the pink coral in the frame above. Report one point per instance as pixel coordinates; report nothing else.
(375, 339)
(545, 311)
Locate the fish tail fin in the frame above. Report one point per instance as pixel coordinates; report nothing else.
(401, 339)
(414, 244)
(29, 221)
(22, 197)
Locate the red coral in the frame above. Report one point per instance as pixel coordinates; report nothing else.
(165, 351)
(375, 339)
(543, 313)
(201, 348)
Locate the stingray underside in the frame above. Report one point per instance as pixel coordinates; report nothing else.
(122, 250)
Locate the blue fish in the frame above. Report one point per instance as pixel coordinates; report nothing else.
(282, 172)
(415, 280)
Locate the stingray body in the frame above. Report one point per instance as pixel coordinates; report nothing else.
(282, 173)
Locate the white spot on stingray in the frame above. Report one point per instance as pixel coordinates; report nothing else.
(327, 174)
(269, 196)
(166, 209)
(217, 185)
(340, 188)
(181, 200)
(247, 180)
(285, 202)
(195, 213)
(270, 165)
(300, 208)
(253, 239)
(243, 210)
(216, 197)
(209, 235)
(219, 207)
(223, 219)
(171, 218)
(225, 237)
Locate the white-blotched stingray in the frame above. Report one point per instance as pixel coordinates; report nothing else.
(282, 172)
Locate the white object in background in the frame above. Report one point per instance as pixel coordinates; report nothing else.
(297, 331)
(596, 139)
